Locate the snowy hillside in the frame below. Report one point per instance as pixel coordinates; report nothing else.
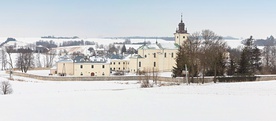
(35, 100)
(98, 40)
(25, 41)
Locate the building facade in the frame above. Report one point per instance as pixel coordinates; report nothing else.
(83, 66)
(151, 57)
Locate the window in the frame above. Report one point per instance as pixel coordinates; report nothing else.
(184, 37)
(110, 63)
(124, 68)
(165, 55)
(103, 66)
(154, 64)
(92, 66)
(172, 55)
(154, 55)
(103, 74)
(119, 63)
(81, 74)
(140, 64)
(114, 63)
(176, 36)
(80, 66)
(145, 56)
(124, 63)
(114, 69)
(119, 68)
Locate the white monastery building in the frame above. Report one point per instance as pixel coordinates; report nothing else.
(157, 56)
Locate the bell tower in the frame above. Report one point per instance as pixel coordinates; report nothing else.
(181, 34)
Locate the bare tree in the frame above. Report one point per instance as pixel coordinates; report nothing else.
(213, 52)
(201, 52)
(38, 62)
(145, 79)
(155, 73)
(193, 46)
(25, 59)
(9, 50)
(269, 54)
(6, 88)
(3, 59)
(50, 58)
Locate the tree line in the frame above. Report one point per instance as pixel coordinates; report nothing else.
(206, 54)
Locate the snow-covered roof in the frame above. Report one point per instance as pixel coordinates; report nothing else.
(133, 56)
(64, 59)
(92, 59)
(168, 45)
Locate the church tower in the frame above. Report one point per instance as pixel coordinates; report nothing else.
(181, 34)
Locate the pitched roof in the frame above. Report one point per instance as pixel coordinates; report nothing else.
(168, 45)
(92, 59)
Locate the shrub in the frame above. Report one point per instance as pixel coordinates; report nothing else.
(6, 88)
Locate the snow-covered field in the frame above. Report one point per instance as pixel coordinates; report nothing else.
(35, 100)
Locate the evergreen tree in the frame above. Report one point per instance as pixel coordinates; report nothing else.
(234, 61)
(244, 65)
(180, 62)
(232, 67)
(250, 58)
(123, 49)
(256, 58)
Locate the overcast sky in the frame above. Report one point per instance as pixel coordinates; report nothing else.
(106, 18)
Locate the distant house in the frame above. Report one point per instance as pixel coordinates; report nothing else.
(91, 66)
(83, 66)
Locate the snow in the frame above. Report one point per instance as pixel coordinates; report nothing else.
(234, 43)
(35, 100)
(38, 72)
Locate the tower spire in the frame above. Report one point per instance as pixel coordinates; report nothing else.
(181, 18)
